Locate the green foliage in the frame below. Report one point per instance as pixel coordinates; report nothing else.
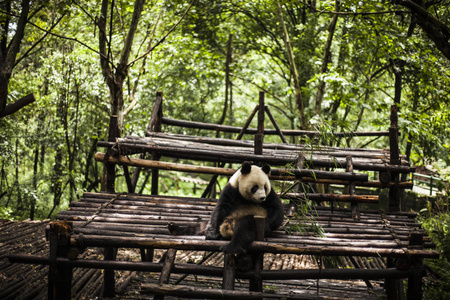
(6, 213)
(47, 147)
(435, 219)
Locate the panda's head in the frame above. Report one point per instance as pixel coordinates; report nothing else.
(252, 182)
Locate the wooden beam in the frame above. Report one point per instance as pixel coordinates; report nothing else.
(288, 132)
(278, 174)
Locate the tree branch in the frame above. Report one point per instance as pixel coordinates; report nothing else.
(67, 38)
(436, 30)
(138, 7)
(37, 42)
(14, 107)
(348, 13)
(165, 36)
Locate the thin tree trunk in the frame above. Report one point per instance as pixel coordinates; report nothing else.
(293, 69)
(227, 80)
(115, 78)
(35, 171)
(326, 59)
(57, 180)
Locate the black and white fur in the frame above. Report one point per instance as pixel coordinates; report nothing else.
(248, 193)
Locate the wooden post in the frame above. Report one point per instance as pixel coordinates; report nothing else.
(229, 271)
(154, 125)
(168, 263)
(394, 192)
(259, 137)
(351, 189)
(109, 283)
(255, 283)
(156, 128)
(111, 168)
(147, 254)
(414, 291)
(59, 277)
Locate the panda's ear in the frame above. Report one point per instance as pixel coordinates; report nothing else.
(266, 169)
(246, 167)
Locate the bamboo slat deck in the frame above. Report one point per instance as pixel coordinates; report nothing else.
(29, 281)
(126, 220)
(131, 220)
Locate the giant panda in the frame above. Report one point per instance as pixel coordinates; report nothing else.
(248, 193)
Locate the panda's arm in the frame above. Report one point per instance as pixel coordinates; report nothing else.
(275, 213)
(224, 207)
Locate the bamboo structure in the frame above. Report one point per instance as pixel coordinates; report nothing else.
(112, 220)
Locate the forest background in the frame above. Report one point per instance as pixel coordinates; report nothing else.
(71, 70)
(324, 65)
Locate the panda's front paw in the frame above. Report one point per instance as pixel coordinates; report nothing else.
(229, 248)
(212, 235)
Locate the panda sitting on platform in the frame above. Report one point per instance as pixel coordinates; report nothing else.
(248, 193)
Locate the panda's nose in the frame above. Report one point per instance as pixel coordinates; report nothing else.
(262, 198)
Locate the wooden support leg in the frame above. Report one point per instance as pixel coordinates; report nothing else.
(169, 261)
(352, 190)
(59, 277)
(109, 283)
(155, 176)
(393, 287)
(258, 258)
(414, 291)
(415, 283)
(147, 254)
(228, 271)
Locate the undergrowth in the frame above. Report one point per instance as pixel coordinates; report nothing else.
(435, 220)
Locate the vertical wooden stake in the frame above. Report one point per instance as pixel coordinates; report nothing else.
(351, 189)
(169, 261)
(59, 277)
(109, 283)
(259, 137)
(255, 283)
(394, 192)
(414, 291)
(229, 271)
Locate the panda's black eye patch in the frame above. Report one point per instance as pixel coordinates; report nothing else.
(254, 188)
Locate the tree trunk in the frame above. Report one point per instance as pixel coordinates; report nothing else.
(227, 80)
(115, 77)
(35, 171)
(293, 69)
(326, 59)
(9, 53)
(57, 179)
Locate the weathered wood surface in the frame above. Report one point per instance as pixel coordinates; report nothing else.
(130, 220)
(280, 174)
(221, 150)
(28, 281)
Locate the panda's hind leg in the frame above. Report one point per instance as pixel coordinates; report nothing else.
(244, 233)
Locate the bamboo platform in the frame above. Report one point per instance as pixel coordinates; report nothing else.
(136, 221)
(391, 243)
(29, 281)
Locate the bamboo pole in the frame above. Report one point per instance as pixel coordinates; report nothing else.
(196, 152)
(276, 173)
(288, 132)
(358, 152)
(203, 245)
(333, 197)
